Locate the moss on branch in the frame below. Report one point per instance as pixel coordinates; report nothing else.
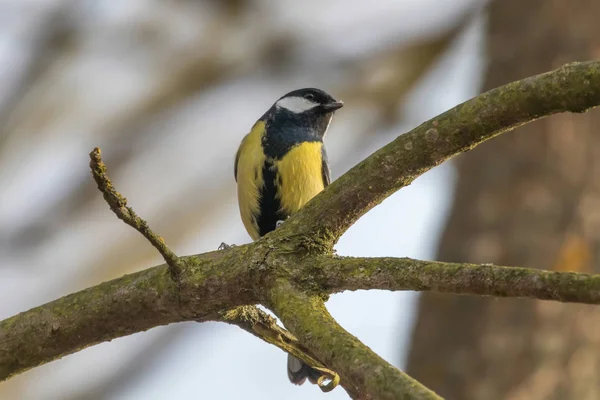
(371, 376)
(130, 304)
(336, 274)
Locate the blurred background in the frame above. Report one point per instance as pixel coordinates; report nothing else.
(168, 88)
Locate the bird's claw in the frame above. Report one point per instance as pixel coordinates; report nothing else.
(225, 246)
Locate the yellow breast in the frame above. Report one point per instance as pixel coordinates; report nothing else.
(300, 176)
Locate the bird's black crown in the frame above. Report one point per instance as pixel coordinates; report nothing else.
(312, 94)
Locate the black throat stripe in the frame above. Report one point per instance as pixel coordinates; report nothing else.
(270, 206)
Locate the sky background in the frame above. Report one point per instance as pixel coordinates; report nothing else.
(174, 162)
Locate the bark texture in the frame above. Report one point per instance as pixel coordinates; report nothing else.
(527, 198)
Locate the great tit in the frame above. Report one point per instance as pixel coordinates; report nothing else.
(282, 164)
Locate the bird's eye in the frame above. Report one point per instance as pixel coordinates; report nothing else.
(309, 96)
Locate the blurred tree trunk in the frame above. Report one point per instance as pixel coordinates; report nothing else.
(530, 198)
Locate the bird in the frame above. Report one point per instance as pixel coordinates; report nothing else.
(279, 166)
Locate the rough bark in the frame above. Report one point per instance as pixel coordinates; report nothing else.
(307, 316)
(528, 198)
(336, 274)
(132, 303)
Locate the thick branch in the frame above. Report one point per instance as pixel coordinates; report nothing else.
(120, 307)
(336, 274)
(130, 304)
(372, 376)
(217, 281)
(574, 87)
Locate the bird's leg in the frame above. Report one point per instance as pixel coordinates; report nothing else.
(281, 221)
(225, 246)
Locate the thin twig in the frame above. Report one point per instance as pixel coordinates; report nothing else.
(118, 205)
(263, 326)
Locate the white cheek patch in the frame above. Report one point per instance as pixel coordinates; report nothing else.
(297, 105)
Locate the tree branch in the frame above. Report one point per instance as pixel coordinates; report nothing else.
(300, 252)
(263, 326)
(133, 303)
(574, 87)
(130, 304)
(336, 274)
(118, 205)
(372, 376)
(248, 318)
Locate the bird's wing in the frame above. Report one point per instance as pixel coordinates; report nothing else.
(237, 158)
(326, 173)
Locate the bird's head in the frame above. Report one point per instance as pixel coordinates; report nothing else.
(309, 102)
(301, 114)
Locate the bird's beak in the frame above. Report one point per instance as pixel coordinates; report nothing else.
(336, 105)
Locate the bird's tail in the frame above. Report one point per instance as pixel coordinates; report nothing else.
(298, 371)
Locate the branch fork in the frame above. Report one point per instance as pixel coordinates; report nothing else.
(249, 318)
